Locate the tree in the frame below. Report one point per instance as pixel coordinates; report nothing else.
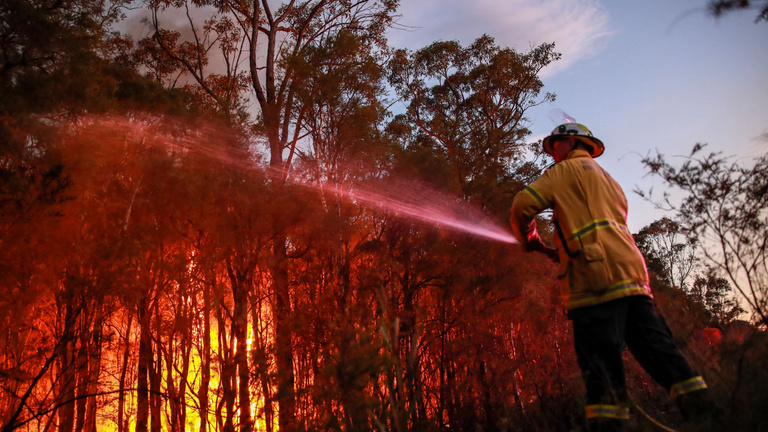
(342, 106)
(719, 8)
(667, 251)
(468, 105)
(48, 52)
(715, 292)
(723, 208)
(43, 35)
(266, 41)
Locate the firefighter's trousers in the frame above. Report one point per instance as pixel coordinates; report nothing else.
(600, 334)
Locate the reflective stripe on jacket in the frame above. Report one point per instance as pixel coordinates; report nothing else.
(591, 209)
(607, 411)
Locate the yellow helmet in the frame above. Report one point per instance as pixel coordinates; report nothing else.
(580, 133)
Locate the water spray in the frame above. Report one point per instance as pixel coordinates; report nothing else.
(418, 202)
(402, 199)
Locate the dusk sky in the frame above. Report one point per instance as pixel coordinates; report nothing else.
(643, 75)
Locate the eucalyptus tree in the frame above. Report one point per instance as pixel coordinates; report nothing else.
(253, 44)
(468, 104)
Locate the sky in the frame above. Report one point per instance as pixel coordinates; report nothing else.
(644, 76)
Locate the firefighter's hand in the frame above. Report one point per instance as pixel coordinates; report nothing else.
(538, 246)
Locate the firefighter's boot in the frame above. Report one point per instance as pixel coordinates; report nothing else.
(605, 425)
(699, 411)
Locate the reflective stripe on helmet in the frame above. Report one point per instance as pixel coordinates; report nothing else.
(687, 386)
(608, 411)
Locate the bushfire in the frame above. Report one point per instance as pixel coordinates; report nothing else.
(157, 276)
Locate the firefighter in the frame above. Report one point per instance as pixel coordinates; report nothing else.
(604, 281)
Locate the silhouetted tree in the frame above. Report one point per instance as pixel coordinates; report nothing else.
(668, 251)
(723, 207)
(719, 8)
(715, 292)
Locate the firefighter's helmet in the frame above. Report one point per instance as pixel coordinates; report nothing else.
(578, 131)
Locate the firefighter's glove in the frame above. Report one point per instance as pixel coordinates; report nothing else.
(536, 245)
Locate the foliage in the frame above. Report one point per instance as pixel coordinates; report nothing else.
(258, 44)
(724, 208)
(719, 8)
(671, 256)
(341, 107)
(715, 292)
(44, 35)
(666, 252)
(467, 105)
(48, 52)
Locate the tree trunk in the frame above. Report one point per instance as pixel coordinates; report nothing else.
(67, 373)
(94, 369)
(82, 376)
(490, 413)
(186, 354)
(173, 395)
(241, 360)
(443, 392)
(227, 375)
(145, 363)
(205, 360)
(155, 372)
(122, 423)
(283, 338)
(516, 374)
(260, 361)
(240, 281)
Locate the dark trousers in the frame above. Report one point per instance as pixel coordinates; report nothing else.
(600, 334)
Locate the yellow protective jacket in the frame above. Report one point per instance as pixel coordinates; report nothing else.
(604, 263)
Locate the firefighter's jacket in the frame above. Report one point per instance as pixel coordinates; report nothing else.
(600, 261)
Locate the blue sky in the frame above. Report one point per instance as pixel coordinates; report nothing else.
(643, 75)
